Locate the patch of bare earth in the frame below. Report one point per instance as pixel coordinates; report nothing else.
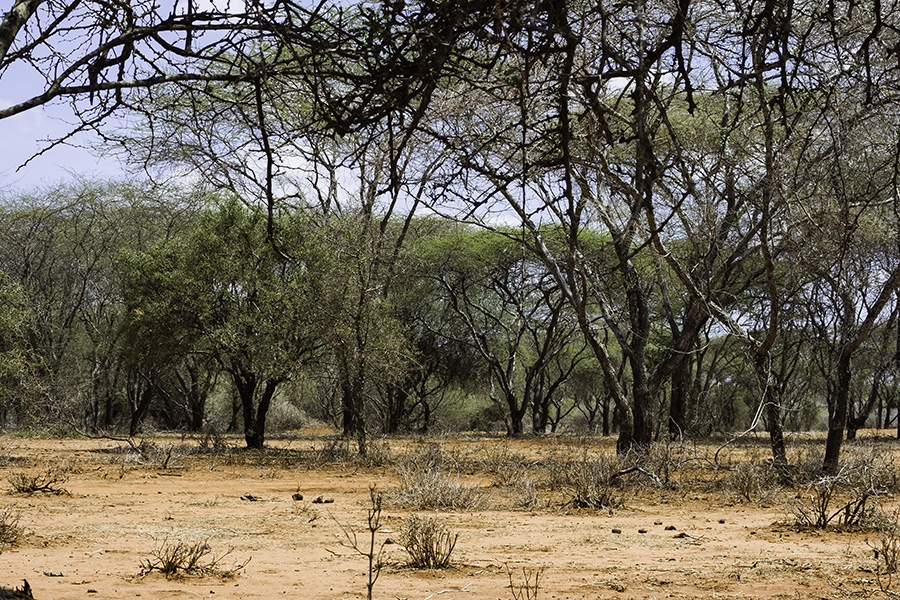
(122, 507)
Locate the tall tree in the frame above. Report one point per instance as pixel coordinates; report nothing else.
(514, 316)
(222, 291)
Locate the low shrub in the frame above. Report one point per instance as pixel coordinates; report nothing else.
(179, 558)
(434, 489)
(428, 543)
(48, 482)
(592, 484)
(10, 532)
(846, 499)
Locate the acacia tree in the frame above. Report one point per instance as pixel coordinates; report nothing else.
(222, 291)
(512, 314)
(580, 135)
(60, 245)
(855, 269)
(560, 112)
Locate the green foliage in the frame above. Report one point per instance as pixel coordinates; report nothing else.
(19, 383)
(224, 290)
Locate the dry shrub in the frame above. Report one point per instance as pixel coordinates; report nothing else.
(378, 454)
(513, 472)
(434, 489)
(333, 451)
(48, 482)
(178, 558)
(212, 442)
(588, 482)
(10, 532)
(664, 463)
(846, 499)
(430, 479)
(525, 493)
(753, 482)
(592, 485)
(367, 546)
(430, 456)
(507, 468)
(886, 549)
(428, 543)
(529, 586)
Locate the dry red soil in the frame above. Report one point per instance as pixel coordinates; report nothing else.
(684, 541)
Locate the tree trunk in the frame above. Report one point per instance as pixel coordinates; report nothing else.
(678, 401)
(395, 397)
(245, 383)
(516, 416)
(256, 436)
(605, 415)
(643, 424)
(773, 411)
(838, 419)
(254, 414)
(540, 414)
(353, 421)
(141, 395)
(855, 422)
(140, 411)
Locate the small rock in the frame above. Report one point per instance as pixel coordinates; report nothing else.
(642, 531)
(670, 528)
(389, 541)
(92, 591)
(657, 522)
(722, 521)
(322, 500)
(617, 531)
(250, 498)
(298, 496)
(681, 535)
(54, 574)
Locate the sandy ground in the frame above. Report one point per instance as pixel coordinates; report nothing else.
(684, 542)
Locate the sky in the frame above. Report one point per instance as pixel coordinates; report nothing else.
(25, 134)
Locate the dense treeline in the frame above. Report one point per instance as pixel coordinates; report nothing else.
(658, 218)
(126, 307)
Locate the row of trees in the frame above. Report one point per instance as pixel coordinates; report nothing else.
(123, 303)
(678, 174)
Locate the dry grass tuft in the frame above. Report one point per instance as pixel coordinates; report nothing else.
(428, 543)
(10, 531)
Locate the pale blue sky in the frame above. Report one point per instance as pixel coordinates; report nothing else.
(20, 138)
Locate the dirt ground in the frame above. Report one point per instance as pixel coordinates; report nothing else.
(123, 508)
